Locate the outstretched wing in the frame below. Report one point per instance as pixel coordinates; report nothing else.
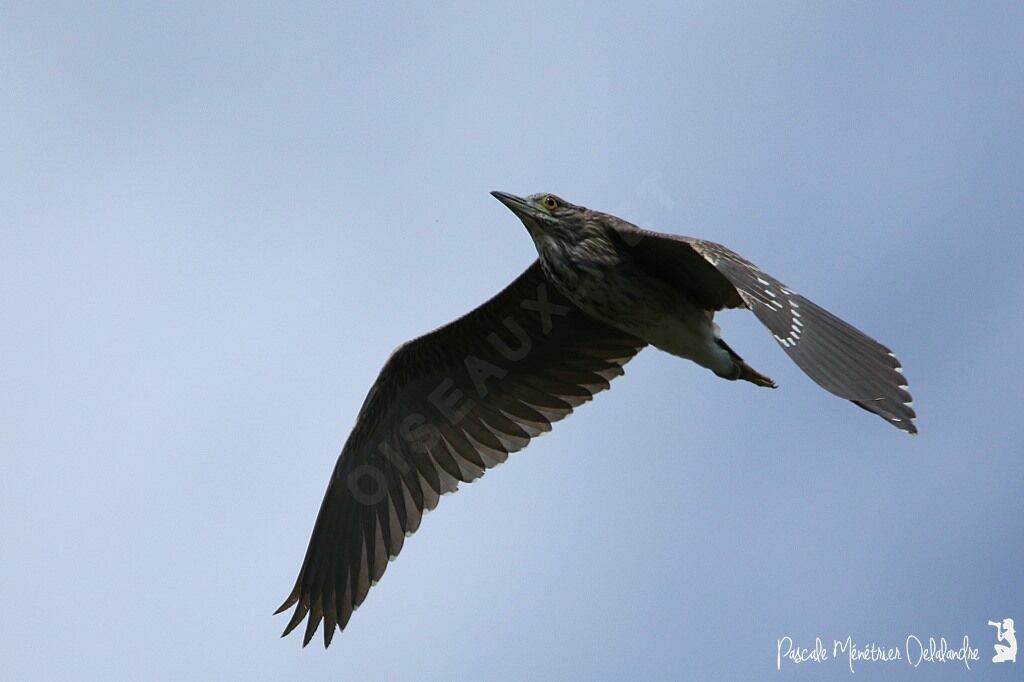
(446, 407)
(839, 357)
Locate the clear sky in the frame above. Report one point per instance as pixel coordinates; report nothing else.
(217, 220)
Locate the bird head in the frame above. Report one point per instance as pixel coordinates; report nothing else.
(541, 212)
(556, 226)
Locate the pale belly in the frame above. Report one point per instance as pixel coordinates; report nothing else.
(651, 310)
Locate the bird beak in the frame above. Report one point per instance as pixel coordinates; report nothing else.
(521, 207)
(536, 220)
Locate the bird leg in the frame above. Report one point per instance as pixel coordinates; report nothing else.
(743, 370)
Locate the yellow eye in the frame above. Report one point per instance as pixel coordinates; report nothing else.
(549, 202)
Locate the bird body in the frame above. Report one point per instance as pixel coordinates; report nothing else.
(596, 268)
(626, 296)
(457, 401)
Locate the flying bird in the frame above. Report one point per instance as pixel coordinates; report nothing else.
(451, 404)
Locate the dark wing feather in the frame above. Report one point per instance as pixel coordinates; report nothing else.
(445, 408)
(840, 358)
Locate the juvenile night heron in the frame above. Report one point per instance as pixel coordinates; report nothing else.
(451, 404)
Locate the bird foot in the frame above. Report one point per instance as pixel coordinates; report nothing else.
(748, 373)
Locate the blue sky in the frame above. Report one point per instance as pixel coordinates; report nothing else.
(218, 221)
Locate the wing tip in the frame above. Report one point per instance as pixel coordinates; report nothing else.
(908, 426)
(287, 604)
(902, 416)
